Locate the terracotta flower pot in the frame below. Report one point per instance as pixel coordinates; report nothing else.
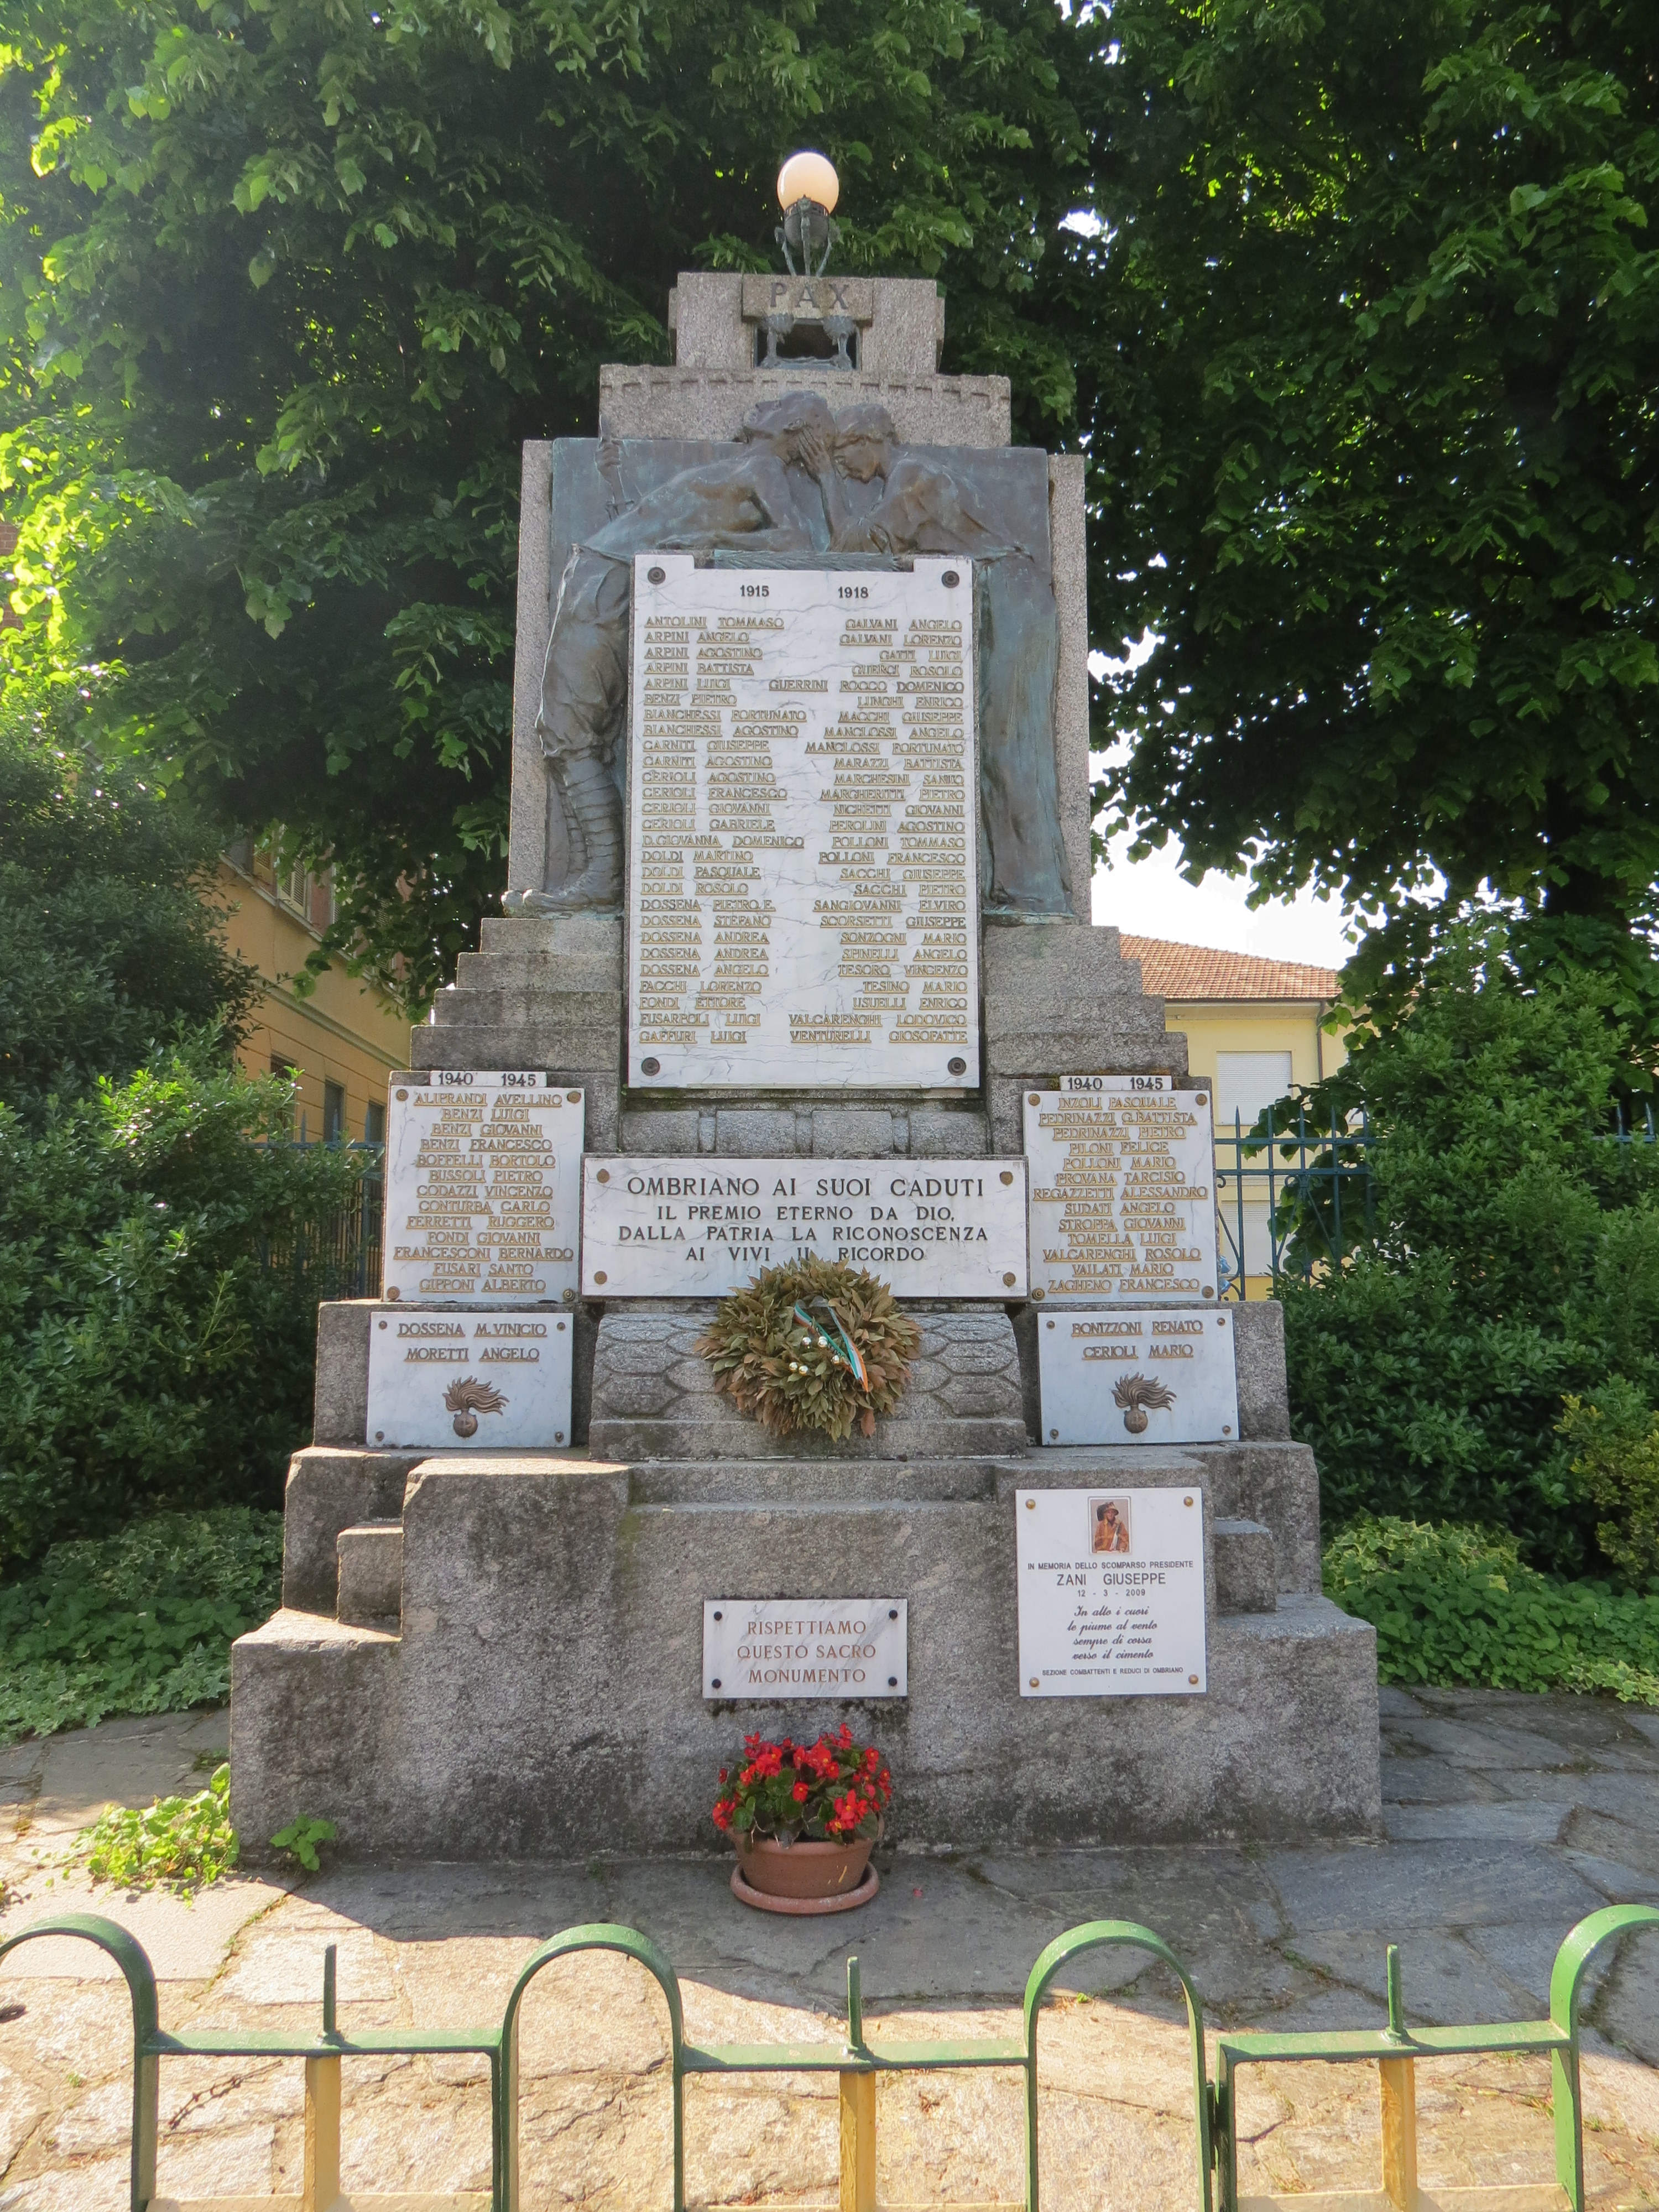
(802, 1869)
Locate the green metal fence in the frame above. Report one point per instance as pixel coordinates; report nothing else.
(1290, 1196)
(338, 1256)
(859, 2063)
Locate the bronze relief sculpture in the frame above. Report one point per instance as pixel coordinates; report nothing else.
(801, 482)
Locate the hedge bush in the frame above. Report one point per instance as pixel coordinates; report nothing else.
(141, 1622)
(1454, 1606)
(1513, 1263)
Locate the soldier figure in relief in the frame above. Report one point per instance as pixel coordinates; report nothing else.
(762, 497)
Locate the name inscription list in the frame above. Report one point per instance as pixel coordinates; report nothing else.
(1122, 1190)
(803, 827)
(482, 1189)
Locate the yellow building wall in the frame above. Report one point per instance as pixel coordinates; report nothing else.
(1214, 1027)
(1257, 1025)
(345, 1031)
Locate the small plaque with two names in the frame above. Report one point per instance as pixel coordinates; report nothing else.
(1157, 1376)
(451, 1381)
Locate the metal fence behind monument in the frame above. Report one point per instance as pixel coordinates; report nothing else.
(1293, 1197)
(338, 1253)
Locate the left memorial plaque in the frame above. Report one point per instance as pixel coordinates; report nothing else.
(469, 1382)
(482, 1189)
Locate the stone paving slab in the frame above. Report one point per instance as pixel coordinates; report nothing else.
(1484, 1871)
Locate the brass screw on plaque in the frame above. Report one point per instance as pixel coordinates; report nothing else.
(599, 1275)
(656, 576)
(379, 1434)
(575, 1097)
(1007, 1175)
(1009, 1280)
(1054, 1435)
(650, 1067)
(1226, 1428)
(1203, 1098)
(570, 1297)
(1208, 1292)
(1193, 1679)
(382, 1324)
(1033, 1681)
(1186, 1501)
(403, 1094)
(958, 1067)
(950, 580)
(560, 1327)
(604, 1176)
(1037, 1098)
(1221, 1321)
(558, 1436)
(393, 1292)
(1039, 1296)
(1051, 1324)
(1030, 1504)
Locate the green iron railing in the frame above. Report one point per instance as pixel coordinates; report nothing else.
(1291, 1197)
(859, 2063)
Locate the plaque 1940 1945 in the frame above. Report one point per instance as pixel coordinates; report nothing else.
(803, 826)
(483, 1186)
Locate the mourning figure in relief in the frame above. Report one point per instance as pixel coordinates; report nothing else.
(923, 509)
(762, 497)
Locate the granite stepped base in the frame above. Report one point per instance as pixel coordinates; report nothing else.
(541, 1691)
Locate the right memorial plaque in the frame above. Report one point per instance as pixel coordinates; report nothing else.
(1123, 1191)
(1153, 1377)
(1111, 1592)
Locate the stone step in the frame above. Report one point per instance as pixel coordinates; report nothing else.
(1246, 1567)
(371, 1578)
(331, 1488)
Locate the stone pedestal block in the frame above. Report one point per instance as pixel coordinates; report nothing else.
(544, 1697)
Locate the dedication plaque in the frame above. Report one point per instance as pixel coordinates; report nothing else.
(469, 1382)
(1156, 1377)
(805, 1647)
(697, 1228)
(483, 1186)
(1122, 1190)
(1111, 1592)
(803, 825)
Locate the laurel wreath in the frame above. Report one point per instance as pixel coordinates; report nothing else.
(789, 1376)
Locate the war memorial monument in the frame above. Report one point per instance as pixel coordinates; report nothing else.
(795, 955)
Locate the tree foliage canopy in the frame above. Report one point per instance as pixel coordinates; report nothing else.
(1368, 389)
(285, 284)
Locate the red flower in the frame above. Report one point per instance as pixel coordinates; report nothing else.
(800, 1793)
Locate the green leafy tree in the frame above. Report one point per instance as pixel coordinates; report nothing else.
(1511, 1263)
(1368, 389)
(285, 284)
(111, 942)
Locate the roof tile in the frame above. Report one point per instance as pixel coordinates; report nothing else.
(1202, 972)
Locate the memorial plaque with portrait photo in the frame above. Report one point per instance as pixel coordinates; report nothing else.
(1111, 1593)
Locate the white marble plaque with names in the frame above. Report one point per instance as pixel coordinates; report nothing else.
(805, 1647)
(448, 1381)
(1123, 1191)
(1111, 1592)
(482, 1189)
(697, 1227)
(803, 827)
(1155, 1376)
